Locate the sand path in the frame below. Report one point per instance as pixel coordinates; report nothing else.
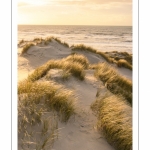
(80, 132)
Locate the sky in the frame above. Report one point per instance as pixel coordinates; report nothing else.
(75, 12)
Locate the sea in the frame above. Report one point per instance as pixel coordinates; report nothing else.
(102, 38)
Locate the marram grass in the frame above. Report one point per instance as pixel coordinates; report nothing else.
(82, 47)
(115, 121)
(124, 63)
(51, 95)
(116, 83)
(74, 64)
(26, 47)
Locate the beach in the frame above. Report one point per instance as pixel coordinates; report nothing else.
(77, 70)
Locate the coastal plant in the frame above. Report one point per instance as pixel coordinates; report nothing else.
(21, 42)
(105, 56)
(78, 58)
(73, 64)
(59, 41)
(52, 96)
(26, 47)
(75, 68)
(124, 63)
(82, 47)
(116, 83)
(114, 120)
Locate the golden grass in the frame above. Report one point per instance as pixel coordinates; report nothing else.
(116, 83)
(82, 47)
(59, 41)
(75, 68)
(74, 64)
(22, 41)
(115, 121)
(124, 63)
(107, 58)
(52, 96)
(26, 47)
(78, 58)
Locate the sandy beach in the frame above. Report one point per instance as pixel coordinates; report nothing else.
(81, 131)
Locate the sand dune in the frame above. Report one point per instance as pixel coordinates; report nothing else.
(80, 132)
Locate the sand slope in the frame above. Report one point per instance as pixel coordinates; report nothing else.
(80, 132)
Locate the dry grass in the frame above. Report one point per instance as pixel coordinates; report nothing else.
(75, 68)
(107, 58)
(78, 58)
(124, 63)
(21, 42)
(26, 47)
(51, 95)
(82, 47)
(74, 64)
(59, 41)
(116, 83)
(115, 121)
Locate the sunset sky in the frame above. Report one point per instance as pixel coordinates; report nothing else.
(75, 12)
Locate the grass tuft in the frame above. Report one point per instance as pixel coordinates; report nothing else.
(59, 41)
(116, 83)
(26, 48)
(115, 121)
(52, 96)
(124, 63)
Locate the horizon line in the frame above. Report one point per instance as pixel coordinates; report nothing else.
(67, 25)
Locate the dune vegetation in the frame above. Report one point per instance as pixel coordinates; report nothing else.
(74, 64)
(26, 47)
(35, 100)
(114, 82)
(124, 63)
(114, 120)
(82, 47)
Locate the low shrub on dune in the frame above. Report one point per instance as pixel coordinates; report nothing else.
(115, 121)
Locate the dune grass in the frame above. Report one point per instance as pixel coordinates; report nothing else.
(26, 47)
(51, 95)
(59, 41)
(124, 63)
(115, 121)
(82, 47)
(74, 64)
(80, 59)
(116, 83)
(21, 42)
